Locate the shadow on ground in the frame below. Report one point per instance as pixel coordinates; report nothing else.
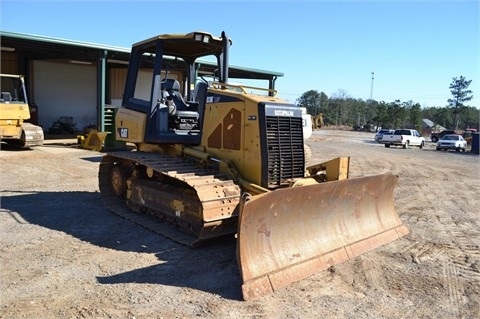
(211, 268)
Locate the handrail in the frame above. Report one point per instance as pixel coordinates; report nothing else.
(243, 87)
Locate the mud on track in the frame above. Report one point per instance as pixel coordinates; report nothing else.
(63, 255)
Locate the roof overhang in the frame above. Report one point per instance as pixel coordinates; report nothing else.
(36, 47)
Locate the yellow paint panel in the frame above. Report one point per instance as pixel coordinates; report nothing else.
(130, 125)
(14, 111)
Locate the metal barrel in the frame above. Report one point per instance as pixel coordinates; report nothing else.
(290, 234)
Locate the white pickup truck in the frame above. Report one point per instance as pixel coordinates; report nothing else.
(404, 138)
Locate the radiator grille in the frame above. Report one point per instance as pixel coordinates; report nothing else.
(285, 149)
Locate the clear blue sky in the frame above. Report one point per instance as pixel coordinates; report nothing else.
(414, 48)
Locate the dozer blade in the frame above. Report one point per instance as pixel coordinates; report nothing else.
(290, 234)
(94, 140)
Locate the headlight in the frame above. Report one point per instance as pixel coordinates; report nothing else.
(202, 37)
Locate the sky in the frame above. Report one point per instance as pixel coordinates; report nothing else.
(414, 48)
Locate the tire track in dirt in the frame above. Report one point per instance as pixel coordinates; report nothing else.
(451, 240)
(421, 309)
(453, 286)
(369, 274)
(459, 259)
(465, 253)
(424, 251)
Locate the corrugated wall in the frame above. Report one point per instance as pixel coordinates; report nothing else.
(117, 82)
(9, 62)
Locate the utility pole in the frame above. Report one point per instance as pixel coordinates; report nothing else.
(371, 87)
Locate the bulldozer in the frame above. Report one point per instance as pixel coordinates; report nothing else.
(213, 160)
(14, 113)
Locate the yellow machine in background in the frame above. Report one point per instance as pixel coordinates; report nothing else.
(14, 112)
(213, 160)
(317, 121)
(93, 140)
(468, 135)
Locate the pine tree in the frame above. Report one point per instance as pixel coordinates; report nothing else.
(461, 94)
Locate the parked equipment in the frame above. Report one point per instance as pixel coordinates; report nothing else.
(222, 161)
(93, 140)
(14, 112)
(468, 134)
(317, 121)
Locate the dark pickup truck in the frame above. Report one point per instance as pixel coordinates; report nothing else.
(434, 137)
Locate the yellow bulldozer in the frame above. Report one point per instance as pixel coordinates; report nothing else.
(14, 113)
(212, 160)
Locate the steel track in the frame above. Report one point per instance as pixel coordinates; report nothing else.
(206, 181)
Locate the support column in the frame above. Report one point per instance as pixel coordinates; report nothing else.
(101, 80)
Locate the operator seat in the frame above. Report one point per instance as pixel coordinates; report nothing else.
(200, 94)
(172, 88)
(6, 97)
(185, 115)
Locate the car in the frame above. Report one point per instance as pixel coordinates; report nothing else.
(434, 137)
(452, 142)
(378, 137)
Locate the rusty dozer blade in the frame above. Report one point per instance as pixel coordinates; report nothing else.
(290, 234)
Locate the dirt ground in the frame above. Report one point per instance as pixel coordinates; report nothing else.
(63, 255)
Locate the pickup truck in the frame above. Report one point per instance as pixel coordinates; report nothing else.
(404, 138)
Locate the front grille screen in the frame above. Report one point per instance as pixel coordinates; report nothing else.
(285, 149)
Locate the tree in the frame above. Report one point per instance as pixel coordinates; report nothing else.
(312, 100)
(414, 115)
(340, 100)
(381, 118)
(461, 94)
(397, 113)
(323, 103)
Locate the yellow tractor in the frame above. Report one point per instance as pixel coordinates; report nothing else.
(14, 111)
(317, 121)
(468, 135)
(214, 160)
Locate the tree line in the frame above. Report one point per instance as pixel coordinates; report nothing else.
(343, 110)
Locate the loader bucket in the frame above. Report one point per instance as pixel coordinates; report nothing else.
(290, 234)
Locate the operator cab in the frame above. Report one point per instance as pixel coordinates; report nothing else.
(161, 82)
(12, 89)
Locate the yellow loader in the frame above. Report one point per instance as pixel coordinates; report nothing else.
(213, 159)
(14, 113)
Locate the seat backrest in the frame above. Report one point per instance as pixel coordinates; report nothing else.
(6, 96)
(172, 87)
(201, 94)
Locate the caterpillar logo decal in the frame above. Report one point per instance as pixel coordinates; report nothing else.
(123, 132)
(279, 110)
(283, 113)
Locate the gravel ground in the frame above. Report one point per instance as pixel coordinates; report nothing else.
(63, 255)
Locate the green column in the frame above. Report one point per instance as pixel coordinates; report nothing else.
(101, 79)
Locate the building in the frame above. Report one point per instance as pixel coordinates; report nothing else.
(76, 80)
(428, 126)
